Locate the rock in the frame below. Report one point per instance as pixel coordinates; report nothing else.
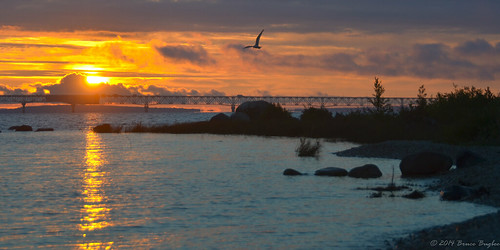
(103, 128)
(238, 116)
(459, 192)
(466, 159)
(456, 192)
(291, 172)
(44, 129)
(414, 195)
(365, 171)
(22, 128)
(331, 171)
(425, 164)
(254, 109)
(219, 117)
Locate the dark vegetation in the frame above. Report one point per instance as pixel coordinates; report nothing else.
(308, 148)
(466, 115)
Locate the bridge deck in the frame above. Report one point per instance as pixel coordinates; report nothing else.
(233, 101)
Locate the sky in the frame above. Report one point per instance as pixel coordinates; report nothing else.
(195, 47)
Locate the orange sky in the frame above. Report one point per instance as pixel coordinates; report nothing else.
(191, 61)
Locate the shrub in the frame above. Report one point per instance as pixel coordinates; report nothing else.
(307, 148)
(316, 115)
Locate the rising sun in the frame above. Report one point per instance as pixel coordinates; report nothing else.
(97, 79)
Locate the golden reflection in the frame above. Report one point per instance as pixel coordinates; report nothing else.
(95, 212)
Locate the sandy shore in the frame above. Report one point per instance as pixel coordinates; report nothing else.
(482, 232)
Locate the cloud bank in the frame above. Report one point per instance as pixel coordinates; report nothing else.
(76, 84)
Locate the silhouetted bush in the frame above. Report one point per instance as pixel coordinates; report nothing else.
(316, 115)
(307, 148)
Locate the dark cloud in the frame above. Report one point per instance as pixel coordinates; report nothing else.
(243, 15)
(432, 60)
(476, 47)
(194, 54)
(6, 90)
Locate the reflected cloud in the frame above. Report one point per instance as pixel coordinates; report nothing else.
(95, 211)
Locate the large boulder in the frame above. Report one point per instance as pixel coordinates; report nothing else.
(254, 109)
(425, 164)
(219, 117)
(466, 159)
(365, 171)
(239, 116)
(331, 171)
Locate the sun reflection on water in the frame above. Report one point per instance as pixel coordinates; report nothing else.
(95, 211)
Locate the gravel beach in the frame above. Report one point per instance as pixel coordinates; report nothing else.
(482, 232)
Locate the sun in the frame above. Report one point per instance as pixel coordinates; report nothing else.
(97, 79)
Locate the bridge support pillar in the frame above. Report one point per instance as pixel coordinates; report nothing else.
(233, 107)
(146, 107)
(24, 107)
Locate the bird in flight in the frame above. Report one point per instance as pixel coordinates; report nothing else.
(256, 45)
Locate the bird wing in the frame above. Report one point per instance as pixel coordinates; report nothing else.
(249, 46)
(258, 38)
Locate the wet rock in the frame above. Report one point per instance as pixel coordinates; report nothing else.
(44, 129)
(467, 159)
(107, 128)
(425, 164)
(331, 171)
(219, 117)
(456, 193)
(21, 128)
(365, 171)
(291, 172)
(459, 192)
(414, 195)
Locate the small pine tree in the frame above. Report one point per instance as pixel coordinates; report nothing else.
(422, 97)
(381, 104)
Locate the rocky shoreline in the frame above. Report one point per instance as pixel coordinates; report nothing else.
(479, 232)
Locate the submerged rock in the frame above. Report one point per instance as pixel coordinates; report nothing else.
(414, 195)
(331, 171)
(365, 171)
(44, 129)
(291, 172)
(425, 164)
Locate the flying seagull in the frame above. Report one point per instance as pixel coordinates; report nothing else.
(256, 45)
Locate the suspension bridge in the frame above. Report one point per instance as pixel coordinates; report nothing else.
(233, 101)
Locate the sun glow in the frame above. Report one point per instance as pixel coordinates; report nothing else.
(97, 79)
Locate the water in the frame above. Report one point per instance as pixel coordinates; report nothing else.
(72, 188)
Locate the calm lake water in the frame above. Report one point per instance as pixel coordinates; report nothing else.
(72, 188)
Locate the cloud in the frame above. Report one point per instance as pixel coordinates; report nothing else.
(476, 47)
(232, 15)
(76, 84)
(6, 90)
(194, 54)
